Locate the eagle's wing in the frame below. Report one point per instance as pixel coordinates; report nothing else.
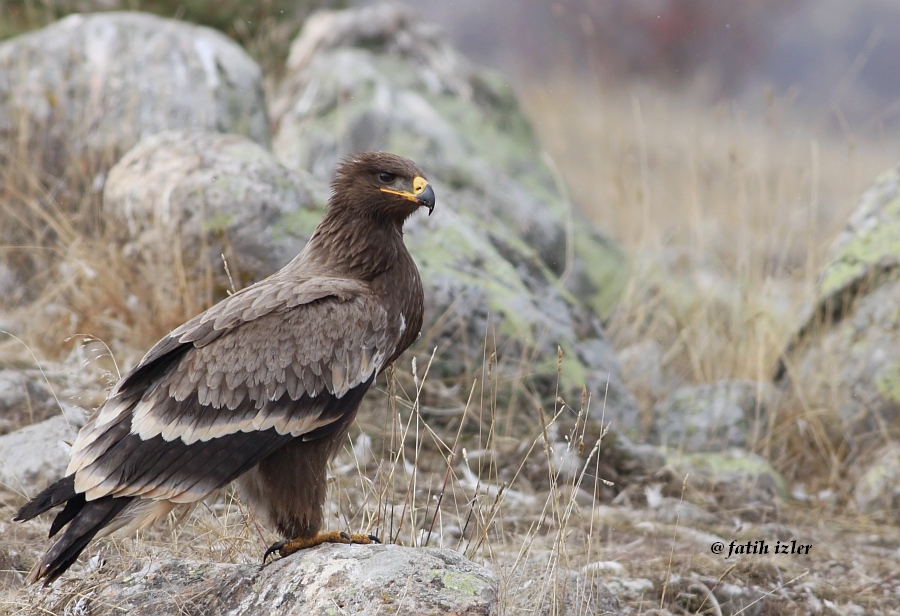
(233, 385)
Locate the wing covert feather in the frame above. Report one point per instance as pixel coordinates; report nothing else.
(276, 362)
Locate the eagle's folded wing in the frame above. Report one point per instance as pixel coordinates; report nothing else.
(231, 386)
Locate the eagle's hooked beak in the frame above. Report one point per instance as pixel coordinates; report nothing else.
(422, 193)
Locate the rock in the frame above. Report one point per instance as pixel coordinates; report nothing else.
(846, 355)
(535, 588)
(712, 417)
(505, 259)
(332, 579)
(25, 399)
(631, 590)
(877, 490)
(731, 599)
(580, 595)
(32, 457)
(210, 194)
(735, 481)
(643, 373)
(636, 459)
(91, 86)
(670, 510)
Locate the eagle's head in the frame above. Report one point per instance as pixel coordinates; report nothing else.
(381, 186)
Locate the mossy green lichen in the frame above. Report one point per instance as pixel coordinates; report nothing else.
(463, 583)
(887, 382)
(708, 466)
(217, 223)
(860, 253)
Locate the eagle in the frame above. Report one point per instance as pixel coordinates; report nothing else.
(261, 388)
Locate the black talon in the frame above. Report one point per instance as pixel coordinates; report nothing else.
(374, 539)
(274, 548)
(347, 537)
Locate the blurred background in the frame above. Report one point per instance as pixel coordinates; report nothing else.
(836, 59)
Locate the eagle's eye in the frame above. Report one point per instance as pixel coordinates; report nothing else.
(386, 177)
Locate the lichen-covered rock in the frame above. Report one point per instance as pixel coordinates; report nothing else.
(712, 417)
(35, 455)
(91, 86)
(505, 259)
(877, 490)
(332, 579)
(209, 194)
(846, 356)
(740, 483)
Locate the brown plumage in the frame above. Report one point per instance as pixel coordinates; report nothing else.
(262, 387)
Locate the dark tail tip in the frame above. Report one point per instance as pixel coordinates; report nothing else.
(90, 518)
(55, 494)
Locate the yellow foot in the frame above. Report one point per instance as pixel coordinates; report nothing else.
(286, 548)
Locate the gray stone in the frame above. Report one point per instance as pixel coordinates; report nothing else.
(670, 510)
(32, 457)
(712, 417)
(25, 398)
(505, 259)
(209, 194)
(637, 459)
(845, 358)
(877, 489)
(538, 588)
(91, 86)
(642, 369)
(580, 595)
(332, 579)
(730, 599)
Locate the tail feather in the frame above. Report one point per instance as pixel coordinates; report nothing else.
(73, 507)
(87, 521)
(55, 494)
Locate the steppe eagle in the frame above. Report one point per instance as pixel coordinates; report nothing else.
(261, 388)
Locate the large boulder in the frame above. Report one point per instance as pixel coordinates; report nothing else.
(91, 86)
(332, 579)
(209, 194)
(712, 417)
(505, 260)
(846, 355)
(33, 456)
